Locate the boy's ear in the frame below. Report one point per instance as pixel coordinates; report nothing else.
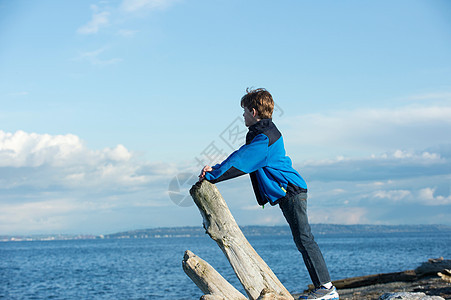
(254, 112)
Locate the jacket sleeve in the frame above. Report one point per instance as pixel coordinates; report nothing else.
(247, 159)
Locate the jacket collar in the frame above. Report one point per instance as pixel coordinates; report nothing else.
(261, 125)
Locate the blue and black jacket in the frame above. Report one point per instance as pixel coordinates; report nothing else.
(263, 158)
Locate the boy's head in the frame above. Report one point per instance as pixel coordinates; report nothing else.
(260, 100)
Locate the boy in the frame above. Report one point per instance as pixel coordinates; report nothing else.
(275, 182)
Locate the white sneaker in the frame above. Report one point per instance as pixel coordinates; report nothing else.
(322, 293)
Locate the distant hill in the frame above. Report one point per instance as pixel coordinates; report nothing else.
(253, 230)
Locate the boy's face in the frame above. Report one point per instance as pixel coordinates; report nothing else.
(250, 116)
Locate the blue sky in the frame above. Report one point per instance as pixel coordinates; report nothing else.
(104, 104)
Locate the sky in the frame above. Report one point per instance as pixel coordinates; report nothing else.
(109, 109)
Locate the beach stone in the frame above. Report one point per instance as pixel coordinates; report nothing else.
(408, 296)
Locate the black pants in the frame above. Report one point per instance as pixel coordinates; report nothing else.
(294, 209)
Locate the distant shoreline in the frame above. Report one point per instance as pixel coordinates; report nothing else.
(248, 230)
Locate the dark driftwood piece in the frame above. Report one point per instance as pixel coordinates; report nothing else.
(254, 274)
(373, 279)
(431, 267)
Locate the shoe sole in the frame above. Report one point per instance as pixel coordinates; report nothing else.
(334, 298)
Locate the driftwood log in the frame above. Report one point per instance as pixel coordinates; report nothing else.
(208, 279)
(256, 277)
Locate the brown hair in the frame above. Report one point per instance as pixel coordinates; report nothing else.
(261, 100)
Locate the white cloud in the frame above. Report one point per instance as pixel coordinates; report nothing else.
(57, 215)
(270, 220)
(48, 214)
(369, 130)
(341, 215)
(338, 191)
(21, 149)
(395, 195)
(135, 5)
(94, 58)
(99, 19)
(424, 196)
(390, 165)
(56, 183)
(252, 207)
(427, 196)
(127, 32)
(432, 96)
(103, 17)
(46, 160)
(395, 187)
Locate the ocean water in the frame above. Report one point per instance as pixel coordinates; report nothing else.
(152, 268)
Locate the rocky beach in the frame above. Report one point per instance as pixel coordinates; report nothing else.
(429, 286)
(429, 281)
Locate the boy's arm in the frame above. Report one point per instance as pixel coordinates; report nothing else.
(245, 160)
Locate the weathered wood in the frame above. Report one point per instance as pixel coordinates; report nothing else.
(211, 283)
(253, 273)
(267, 294)
(445, 275)
(212, 297)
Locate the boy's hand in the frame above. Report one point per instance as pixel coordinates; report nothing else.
(204, 170)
